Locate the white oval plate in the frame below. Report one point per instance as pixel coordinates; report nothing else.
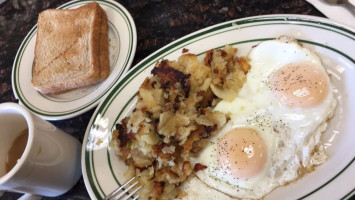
(122, 47)
(103, 170)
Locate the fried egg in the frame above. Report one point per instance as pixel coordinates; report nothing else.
(273, 136)
(238, 160)
(290, 81)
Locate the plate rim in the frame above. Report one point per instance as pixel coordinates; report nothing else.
(138, 68)
(94, 101)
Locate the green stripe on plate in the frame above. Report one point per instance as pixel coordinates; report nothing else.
(320, 187)
(93, 169)
(299, 19)
(109, 139)
(350, 194)
(89, 174)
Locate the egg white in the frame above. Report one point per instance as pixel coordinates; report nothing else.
(266, 59)
(291, 135)
(216, 177)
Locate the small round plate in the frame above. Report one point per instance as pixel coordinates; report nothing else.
(122, 46)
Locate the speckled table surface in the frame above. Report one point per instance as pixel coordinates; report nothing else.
(158, 23)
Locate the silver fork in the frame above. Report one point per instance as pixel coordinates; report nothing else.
(346, 3)
(123, 193)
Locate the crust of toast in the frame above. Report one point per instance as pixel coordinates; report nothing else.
(71, 49)
(104, 54)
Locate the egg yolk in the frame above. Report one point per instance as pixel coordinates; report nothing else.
(300, 86)
(242, 153)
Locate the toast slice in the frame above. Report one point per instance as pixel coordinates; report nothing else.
(71, 49)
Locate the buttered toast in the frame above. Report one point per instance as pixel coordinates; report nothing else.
(71, 49)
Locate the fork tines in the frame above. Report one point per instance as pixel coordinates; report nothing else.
(124, 193)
